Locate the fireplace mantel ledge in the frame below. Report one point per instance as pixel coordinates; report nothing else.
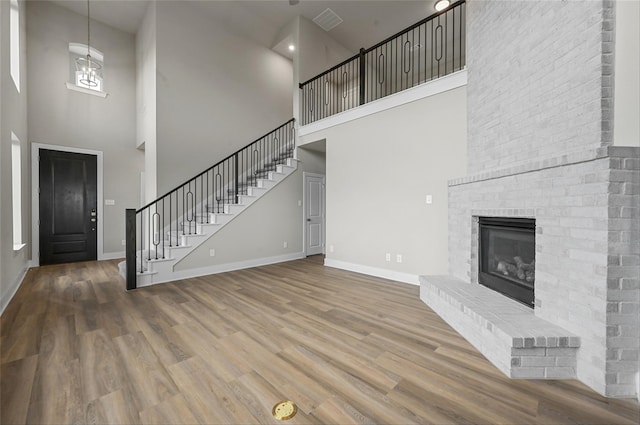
(559, 161)
(506, 332)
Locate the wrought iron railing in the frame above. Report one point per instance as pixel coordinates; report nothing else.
(160, 224)
(429, 49)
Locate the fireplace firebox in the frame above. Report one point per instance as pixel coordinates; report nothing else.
(507, 252)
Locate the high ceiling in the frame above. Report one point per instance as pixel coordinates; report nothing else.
(366, 22)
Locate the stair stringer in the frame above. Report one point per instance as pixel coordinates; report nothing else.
(162, 270)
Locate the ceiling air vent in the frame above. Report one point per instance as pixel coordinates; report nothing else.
(327, 20)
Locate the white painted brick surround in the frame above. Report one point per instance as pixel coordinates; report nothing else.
(586, 208)
(557, 56)
(539, 111)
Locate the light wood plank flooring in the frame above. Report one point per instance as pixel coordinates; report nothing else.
(347, 348)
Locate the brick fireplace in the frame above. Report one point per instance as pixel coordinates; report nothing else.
(541, 147)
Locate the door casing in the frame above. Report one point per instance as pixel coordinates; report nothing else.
(305, 175)
(35, 202)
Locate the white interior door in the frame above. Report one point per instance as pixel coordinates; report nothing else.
(314, 198)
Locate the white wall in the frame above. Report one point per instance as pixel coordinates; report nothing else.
(380, 169)
(146, 98)
(59, 116)
(626, 131)
(13, 118)
(216, 92)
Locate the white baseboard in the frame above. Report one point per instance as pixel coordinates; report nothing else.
(374, 271)
(112, 255)
(229, 267)
(11, 291)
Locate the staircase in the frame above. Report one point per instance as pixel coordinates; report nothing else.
(165, 231)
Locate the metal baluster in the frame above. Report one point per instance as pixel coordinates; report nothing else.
(150, 232)
(453, 40)
(142, 242)
(155, 226)
(439, 56)
(444, 37)
(162, 229)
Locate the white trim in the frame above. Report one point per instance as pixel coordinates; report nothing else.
(412, 279)
(18, 247)
(113, 255)
(35, 191)
(11, 291)
(306, 174)
(431, 88)
(223, 268)
(84, 90)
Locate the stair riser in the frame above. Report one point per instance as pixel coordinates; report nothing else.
(256, 191)
(233, 209)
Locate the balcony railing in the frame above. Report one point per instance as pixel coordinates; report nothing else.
(429, 49)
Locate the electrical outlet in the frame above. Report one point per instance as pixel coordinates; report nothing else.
(109, 202)
(429, 199)
(399, 258)
(285, 244)
(212, 252)
(124, 243)
(299, 203)
(388, 256)
(330, 248)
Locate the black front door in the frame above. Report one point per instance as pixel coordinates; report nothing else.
(68, 207)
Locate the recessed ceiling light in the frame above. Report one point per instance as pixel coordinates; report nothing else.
(292, 47)
(442, 4)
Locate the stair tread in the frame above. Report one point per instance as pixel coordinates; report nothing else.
(159, 260)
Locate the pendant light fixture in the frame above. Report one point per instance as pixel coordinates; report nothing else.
(88, 70)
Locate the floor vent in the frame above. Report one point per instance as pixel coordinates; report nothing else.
(284, 410)
(328, 20)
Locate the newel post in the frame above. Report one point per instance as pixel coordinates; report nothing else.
(130, 249)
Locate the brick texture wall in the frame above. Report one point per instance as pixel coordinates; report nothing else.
(623, 271)
(539, 80)
(540, 119)
(587, 250)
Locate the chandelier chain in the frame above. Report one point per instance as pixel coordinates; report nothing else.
(88, 29)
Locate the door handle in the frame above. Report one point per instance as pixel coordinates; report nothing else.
(308, 219)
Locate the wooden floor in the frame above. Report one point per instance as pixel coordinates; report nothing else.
(220, 349)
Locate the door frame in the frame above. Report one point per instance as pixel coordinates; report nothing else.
(304, 211)
(35, 199)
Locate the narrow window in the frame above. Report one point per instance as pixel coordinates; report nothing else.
(14, 43)
(16, 191)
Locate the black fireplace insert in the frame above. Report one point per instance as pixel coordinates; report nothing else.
(507, 254)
